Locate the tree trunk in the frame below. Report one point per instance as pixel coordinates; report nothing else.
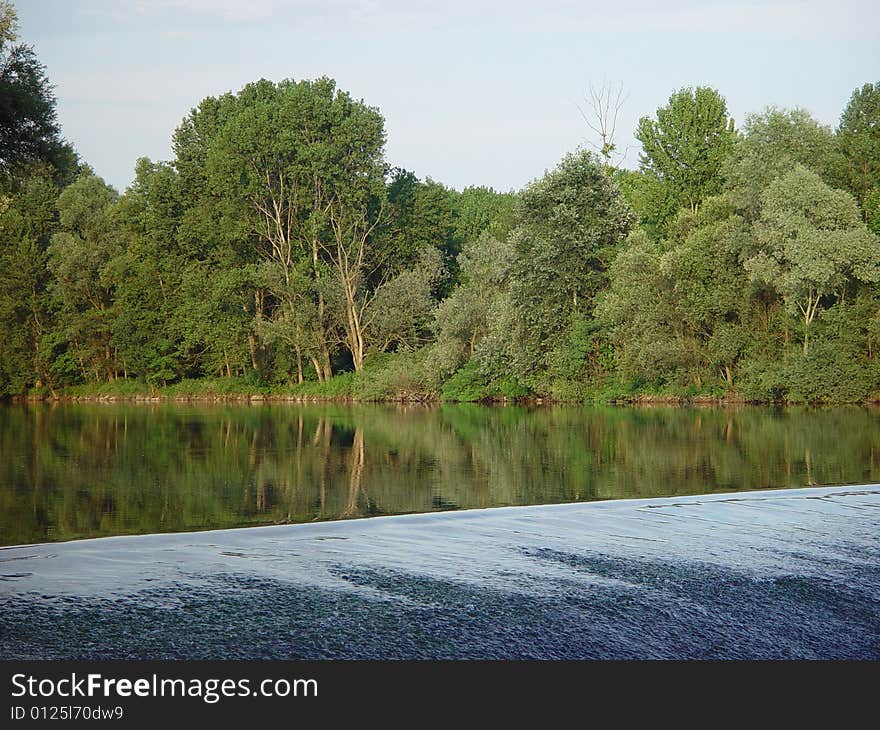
(325, 354)
(252, 346)
(299, 365)
(318, 370)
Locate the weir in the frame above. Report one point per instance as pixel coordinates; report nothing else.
(769, 574)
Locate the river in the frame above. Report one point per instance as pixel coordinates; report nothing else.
(550, 533)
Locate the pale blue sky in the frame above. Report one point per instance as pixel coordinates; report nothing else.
(472, 92)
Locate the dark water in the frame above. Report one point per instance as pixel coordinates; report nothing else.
(74, 471)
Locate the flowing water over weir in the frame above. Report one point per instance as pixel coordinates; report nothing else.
(766, 574)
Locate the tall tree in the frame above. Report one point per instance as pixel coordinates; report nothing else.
(464, 318)
(813, 245)
(774, 141)
(80, 254)
(859, 138)
(296, 169)
(571, 223)
(674, 307)
(29, 130)
(27, 221)
(685, 146)
(482, 209)
(148, 273)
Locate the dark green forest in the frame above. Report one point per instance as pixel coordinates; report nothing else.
(279, 253)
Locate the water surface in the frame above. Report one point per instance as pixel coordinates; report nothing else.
(781, 574)
(88, 470)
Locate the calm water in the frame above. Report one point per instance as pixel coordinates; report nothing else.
(73, 471)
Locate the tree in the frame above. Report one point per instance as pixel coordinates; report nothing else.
(859, 138)
(293, 171)
(29, 131)
(464, 318)
(600, 112)
(482, 209)
(148, 273)
(709, 288)
(399, 316)
(651, 200)
(400, 234)
(645, 343)
(571, 223)
(773, 142)
(687, 143)
(87, 241)
(813, 245)
(27, 222)
(674, 308)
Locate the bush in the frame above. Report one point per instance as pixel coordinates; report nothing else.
(467, 385)
(828, 373)
(395, 376)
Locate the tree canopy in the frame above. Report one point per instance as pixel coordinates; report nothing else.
(278, 251)
(685, 146)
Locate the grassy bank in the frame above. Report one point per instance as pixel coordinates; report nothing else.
(356, 388)
(408, 378)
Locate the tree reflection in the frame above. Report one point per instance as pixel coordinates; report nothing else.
(87, 470)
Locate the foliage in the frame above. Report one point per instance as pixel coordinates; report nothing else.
(277, 254)
(858, 137)
(29, 131)
(571, 223)
(812, 245)
(773, 142)
(79, 258)
(686, 145)
(26, 226)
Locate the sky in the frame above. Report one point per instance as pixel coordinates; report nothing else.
(473, 93)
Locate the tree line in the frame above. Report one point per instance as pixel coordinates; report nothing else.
(278, 251)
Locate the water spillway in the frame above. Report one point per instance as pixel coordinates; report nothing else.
(767, 574)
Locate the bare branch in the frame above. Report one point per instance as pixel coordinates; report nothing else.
(600, 113)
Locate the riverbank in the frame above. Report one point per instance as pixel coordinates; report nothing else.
(343, 389)
(373, 386)
(769, 574)
(429, 399)
(402, 399)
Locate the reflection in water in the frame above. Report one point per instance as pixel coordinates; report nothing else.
(69, 471)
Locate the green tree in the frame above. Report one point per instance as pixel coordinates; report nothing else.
(27, 221)
(674, 308)
(148, 273)
(685, 146)
(467, 315)
(858, 135)
(812, 245)
(645, 342)
(483, 209)
(80, 254)
(773, 142)
(399, 316)
(709, 289)
(571, 224)
(29, 130)
(422, 214)
(651, 200)
(295, 171)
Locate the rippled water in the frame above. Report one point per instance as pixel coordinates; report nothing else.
(74, 471)
(773, 574)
